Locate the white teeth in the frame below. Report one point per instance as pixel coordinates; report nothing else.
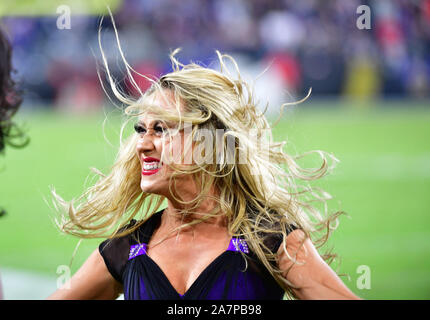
(151, 165)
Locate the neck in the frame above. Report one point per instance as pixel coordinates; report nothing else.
(174, 215)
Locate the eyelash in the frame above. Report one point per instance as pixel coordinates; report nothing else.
(141, 129)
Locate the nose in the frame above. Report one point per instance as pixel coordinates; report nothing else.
(145, 143)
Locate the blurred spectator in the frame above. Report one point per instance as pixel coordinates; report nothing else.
(10, 101)
(308, 43)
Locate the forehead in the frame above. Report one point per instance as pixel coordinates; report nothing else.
(163, 98)
(160, 100)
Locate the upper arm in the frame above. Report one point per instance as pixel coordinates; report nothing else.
(311, 276)
(91, 281)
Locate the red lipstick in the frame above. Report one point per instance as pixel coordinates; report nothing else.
(150, 159)
(150, 166)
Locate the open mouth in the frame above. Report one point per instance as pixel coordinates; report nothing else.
(150, 166)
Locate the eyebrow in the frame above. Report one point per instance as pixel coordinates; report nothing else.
(155, 122)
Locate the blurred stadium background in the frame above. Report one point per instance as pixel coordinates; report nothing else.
(369, 107)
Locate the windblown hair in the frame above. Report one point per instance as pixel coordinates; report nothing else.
(261, 196)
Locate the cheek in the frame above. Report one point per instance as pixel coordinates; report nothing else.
(173, 151)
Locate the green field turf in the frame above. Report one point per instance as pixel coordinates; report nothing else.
(382, 182)
(56, 7)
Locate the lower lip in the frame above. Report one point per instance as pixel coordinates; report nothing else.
(150, 172)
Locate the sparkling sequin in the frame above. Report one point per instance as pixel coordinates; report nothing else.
(137, 250)
(237, 244)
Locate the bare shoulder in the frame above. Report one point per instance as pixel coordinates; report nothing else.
(297, 251)
(311, 276)
(92, 281)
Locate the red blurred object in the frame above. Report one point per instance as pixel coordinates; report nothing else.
(389, 32)
(288, 67)
(426, 9)
(147, 68)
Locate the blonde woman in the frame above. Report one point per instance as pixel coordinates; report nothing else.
(238, 223)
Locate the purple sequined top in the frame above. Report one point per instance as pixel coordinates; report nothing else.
(227, 277)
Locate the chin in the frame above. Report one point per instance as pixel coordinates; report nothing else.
(147, 187)
(150, 187)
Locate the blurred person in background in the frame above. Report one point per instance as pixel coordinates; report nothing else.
(309, 43)
(10, 100)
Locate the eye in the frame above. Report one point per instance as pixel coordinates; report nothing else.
(139, 128)
(159, 129)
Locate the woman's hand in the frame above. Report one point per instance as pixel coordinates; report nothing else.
(313, 277)
(92, 281)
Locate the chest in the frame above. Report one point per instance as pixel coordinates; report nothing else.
(184, 259)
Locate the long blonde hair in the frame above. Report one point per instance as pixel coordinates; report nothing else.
(261, 196)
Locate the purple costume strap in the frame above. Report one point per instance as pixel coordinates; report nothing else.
(236, 244)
